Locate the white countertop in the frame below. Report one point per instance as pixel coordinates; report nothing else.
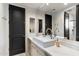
(62, 51)
(58, 51)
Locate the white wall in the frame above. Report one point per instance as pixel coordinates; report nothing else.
(37, 15)
(4, 29)
(4, 24)
(58, 18)
(1, 30)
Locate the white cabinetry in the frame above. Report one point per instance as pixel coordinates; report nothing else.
(35, 51)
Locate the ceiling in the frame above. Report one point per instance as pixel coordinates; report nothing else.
(50, 7)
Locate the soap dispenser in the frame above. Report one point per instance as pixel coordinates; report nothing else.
(57, 43)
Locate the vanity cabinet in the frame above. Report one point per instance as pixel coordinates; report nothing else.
(35, 51)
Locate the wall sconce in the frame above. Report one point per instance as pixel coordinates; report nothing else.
(65, 3)
(4, 18)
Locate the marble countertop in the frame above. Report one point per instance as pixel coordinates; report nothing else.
(62, 51)
(57, 51)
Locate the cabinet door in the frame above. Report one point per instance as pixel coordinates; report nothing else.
(40, 52)
(33, 50)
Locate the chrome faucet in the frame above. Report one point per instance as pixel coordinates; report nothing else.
(49, 32)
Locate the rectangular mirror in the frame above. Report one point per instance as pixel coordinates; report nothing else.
(32, 25)
(40, 25)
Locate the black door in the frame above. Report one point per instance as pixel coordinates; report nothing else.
(16, 30)
(40, 25)
(48, 22)
(66, 25)
(77, 22)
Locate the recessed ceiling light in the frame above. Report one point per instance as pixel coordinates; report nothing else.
(65, 3)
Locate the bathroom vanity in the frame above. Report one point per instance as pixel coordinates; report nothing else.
(36, 51)
(37, 48)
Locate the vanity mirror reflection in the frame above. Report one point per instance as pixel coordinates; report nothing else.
(70, 23)
(32, 25)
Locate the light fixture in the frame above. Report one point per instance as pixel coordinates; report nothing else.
(47, 4)
(65, 3)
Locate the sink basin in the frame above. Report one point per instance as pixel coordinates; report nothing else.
(45, 41)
